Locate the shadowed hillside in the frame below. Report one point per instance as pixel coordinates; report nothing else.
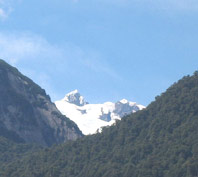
(27, 113)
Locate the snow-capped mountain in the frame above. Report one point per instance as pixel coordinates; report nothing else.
(91, 117)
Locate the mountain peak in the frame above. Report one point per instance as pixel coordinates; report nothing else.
(73, 92)
(74, 97)
(123, 101)
(91, 117)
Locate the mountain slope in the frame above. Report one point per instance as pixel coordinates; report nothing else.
(159, 141)
(27, 113)
(91, 117)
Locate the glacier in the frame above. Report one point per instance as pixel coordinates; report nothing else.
(90, 118)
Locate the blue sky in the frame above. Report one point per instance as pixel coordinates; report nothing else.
(107, 49)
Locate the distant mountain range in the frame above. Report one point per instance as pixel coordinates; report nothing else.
(91, 117)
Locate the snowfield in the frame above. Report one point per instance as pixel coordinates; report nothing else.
(91, 117)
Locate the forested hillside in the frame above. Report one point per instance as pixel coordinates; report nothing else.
(10, 151)
(160, 141)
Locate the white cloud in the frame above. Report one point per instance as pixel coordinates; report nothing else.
(38, 59)
(33, 55)
(15, 47)
(3, 14)
(6, 8)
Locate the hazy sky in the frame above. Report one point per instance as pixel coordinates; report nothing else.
(107, 49)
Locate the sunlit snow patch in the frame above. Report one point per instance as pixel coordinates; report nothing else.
(91, 117)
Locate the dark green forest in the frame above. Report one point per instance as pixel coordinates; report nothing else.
(160, 141)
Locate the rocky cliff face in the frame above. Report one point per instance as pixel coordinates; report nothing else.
(74, 97)
(27, 113)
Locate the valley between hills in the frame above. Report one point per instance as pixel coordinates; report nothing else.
(37, 140)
